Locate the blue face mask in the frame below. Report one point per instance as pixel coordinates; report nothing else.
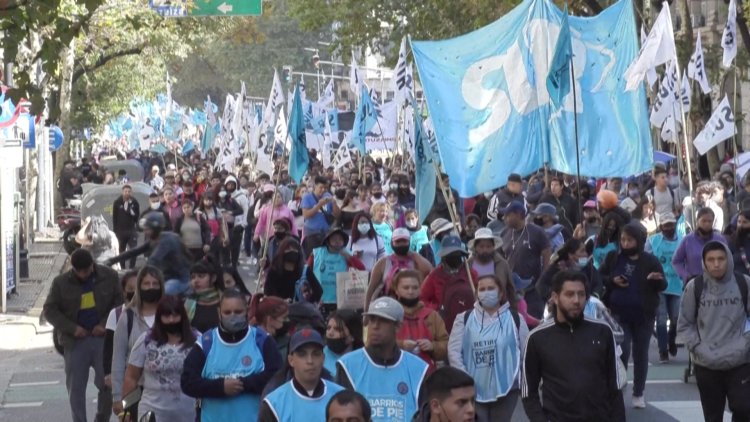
(582, 262)
(489, 298)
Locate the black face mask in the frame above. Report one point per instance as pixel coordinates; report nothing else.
(539, 221)
(591, 220)
(485, 257)
(281, 332)
(409, 303)
(129, 296)
(742, 233)
(629, 251)
(279, 235)
(401, 250)
(291, 256)
(669, 233)
(150, 295)
(377, 195)
(173, 328)
(337, 345)
(453, 261)
(340, 194)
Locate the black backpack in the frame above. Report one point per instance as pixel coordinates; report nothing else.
(698, 285)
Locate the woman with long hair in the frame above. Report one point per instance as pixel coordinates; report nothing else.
(384, 228)
(138, 318)
(295, 206)
(157, 359)
(271, 314)
(215, 220)
(193, 230)
(272, 212)
(286, 269)
(487, 343)
(365, 242)
(572, 255)
(128, 283)
(231, 279)
(344, 333)
(608, 238)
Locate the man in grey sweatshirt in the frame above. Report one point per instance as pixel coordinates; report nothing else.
(715, 331)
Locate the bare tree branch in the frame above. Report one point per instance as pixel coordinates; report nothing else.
(104, 60)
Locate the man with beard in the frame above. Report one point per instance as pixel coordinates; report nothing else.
(688, 260)
(574, 360)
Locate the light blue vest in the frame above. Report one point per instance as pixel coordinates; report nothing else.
(601, 252)
(385, 232)
(392, 391)
(288, 405)
(231, 361)
(418, 239)
(325, 267)
(330, 361)
(491, 353)
(664, 250)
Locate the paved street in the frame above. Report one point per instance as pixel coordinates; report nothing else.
(32, 381)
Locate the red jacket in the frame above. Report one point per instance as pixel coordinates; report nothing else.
(432, 287)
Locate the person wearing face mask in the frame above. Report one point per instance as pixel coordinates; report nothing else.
(449, 396)
(405, 197)
(282, 229)
(383, 227)
(420, 239)
(230, 365)
(423, 331)
(633, 280)
(157, 358)
(564, 377)
(439, 228)
(271, 313)
(592, 221)
(77, 306)
(155, 206)
(365, 242)
(376, 194)
(343, 334)
(487, 343)
(128, 283)
(278, 211)
(663, 245)
(687, 259)
(285, 269)
(545, 217)
(329, 259)
(572, 256)
(388, 266)
(138, 318)
(448, 287)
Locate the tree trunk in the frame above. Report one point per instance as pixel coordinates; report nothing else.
(67, 61)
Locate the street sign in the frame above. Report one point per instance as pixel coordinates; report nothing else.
(179, 8)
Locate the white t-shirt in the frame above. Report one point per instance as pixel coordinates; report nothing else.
(368, 250)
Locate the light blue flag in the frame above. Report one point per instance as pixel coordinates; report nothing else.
(333, 119)
(299, 159)
(425, 171)
(491, 110)
(558, 79)
(364, 119)
(188, 147)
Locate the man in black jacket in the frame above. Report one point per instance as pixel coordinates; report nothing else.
(77, 305)
(125, 213)
(513, 191)
(573, 359)
(566, 205)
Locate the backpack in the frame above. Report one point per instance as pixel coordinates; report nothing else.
(698, 285)
(650, 194)
(392, 266)
(129, 314)
(415, 327)
(458, 296)
(514, 314)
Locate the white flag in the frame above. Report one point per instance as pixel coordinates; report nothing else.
(327, 142)
(302, 89)
(666, 97)
(343, 156)
(685, 94)
(696, 69)
(669, 130)
(402, 84)
(729, 37)
(329, 95)
(280, 135)
(719, 128)
(651, 75)
(658, 48)
(275, 99)
(355, 78)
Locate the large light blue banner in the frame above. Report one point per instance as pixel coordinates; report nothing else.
(492, 113)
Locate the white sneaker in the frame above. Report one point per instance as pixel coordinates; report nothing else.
(639, 402)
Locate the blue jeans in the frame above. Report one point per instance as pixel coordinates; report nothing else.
(640, 336)
(669, 307)
(176, 287)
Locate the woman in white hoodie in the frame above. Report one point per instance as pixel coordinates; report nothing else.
(487, 343)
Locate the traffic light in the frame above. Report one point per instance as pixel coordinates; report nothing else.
(287, 73)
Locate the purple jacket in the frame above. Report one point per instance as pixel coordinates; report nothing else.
(688, 259)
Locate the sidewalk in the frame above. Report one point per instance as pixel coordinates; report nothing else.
(21, 328)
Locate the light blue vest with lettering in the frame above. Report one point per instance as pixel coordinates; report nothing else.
(491, 353)
(664, 250)
(392, 391)
(226, 360)
(288, 405)
(325, 267)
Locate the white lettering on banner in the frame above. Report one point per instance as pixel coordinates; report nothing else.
(540, 39)
(666, 97)
(719, 127)
(387, 408)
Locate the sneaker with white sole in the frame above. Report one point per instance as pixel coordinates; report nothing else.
(639, 402)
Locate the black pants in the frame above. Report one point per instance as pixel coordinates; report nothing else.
(126, 239)
(718, 387)
(235, 244)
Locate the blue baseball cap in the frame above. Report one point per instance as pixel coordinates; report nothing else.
(516, 207)
(303, 337)
(450, 244)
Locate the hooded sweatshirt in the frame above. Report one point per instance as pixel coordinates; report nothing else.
(717, 339)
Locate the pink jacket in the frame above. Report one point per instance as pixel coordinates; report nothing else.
(265, 214)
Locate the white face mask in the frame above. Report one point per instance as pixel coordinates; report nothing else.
(363, 228)
(155, 205)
